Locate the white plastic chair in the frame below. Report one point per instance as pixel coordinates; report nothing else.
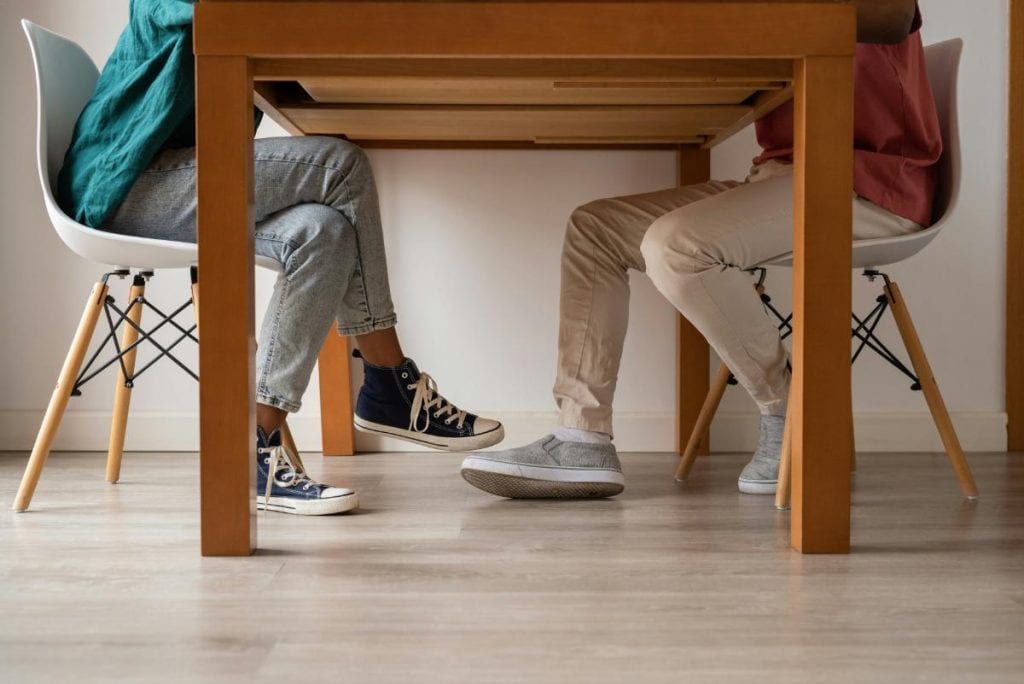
(943, 63)
(65, 79)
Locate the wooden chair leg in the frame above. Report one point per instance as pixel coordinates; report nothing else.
(931, 390)
(61, 395)
(336, 397)
(853, 448)
(782, 490)
(123, 391)
(700, 428)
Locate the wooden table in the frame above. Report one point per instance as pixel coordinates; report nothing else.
(681, 74)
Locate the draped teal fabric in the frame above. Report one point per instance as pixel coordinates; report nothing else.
(144, 102)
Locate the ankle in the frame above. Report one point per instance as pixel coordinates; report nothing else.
(387, 363)
(571, 434)
(383, 360)
(380, 348)
(269, 418)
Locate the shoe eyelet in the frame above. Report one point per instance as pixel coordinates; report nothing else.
(409, 387)
(405, 376)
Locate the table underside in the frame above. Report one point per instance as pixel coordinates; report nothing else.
(585, 102)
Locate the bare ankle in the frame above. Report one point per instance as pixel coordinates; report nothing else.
(269, 418)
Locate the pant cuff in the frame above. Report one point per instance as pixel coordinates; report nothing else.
(278, 402)
(775, 408)
(348, 330)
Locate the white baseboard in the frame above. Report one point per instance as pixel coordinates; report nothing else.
(88, 431)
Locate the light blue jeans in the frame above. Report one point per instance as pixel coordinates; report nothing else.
(317, 214)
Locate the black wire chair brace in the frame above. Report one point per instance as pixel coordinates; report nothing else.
(117, 318)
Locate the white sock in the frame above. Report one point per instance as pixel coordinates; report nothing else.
(567, 434)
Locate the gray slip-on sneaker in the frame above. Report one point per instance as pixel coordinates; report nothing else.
(547, 469)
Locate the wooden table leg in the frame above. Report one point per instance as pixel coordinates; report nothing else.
(820, 402)
(336, 397)
(224, 125)
(1015, 236)
(693, 374)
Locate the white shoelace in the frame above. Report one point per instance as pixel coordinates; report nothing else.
(277, 457)
(425, 399)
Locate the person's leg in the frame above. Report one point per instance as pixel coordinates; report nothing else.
(287, 172)
(335, 173)
(316, 248)
(696, 257)
(395, 399)
(381, 348)
(602, 243)
(315, 245)
(269, 418)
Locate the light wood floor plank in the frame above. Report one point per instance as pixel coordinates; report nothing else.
(434, 581)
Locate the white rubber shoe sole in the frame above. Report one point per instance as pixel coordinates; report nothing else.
(471, 443)
(329, 506)
(521, 481)
(758, 486)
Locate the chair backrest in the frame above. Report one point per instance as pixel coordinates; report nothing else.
(943, 64)
(65, 80)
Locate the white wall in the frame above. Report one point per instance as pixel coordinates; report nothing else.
(474, 240)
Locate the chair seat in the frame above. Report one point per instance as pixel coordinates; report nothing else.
(877, 252)
(126, 251)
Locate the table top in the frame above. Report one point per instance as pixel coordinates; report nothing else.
(516, 81)
(549, 2)
(523, 84)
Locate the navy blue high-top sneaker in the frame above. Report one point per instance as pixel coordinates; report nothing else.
(402, 402)
(290, 490)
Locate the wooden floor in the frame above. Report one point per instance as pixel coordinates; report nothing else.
(433, 581)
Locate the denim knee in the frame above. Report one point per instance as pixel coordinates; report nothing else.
(322, 236)
(338, 153)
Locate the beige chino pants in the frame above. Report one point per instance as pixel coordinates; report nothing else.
(694, 242)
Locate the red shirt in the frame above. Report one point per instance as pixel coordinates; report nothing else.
(896, 137)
